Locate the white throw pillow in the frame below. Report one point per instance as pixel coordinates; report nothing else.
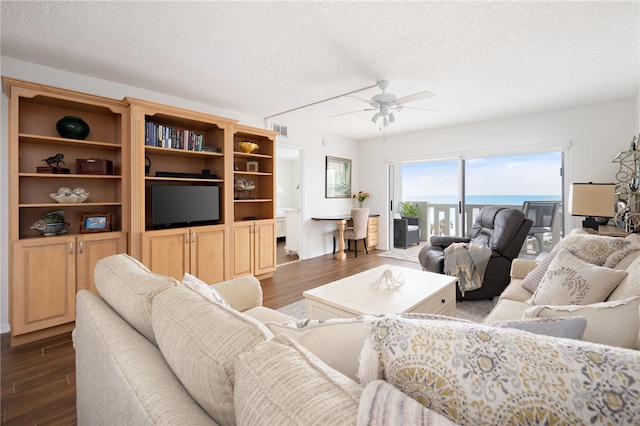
(614, 323)
(199, 286)
(571, 281)
(337, 342)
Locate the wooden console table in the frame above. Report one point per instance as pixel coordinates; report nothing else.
(341, 220)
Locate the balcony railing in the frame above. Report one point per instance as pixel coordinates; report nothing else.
(442, 219)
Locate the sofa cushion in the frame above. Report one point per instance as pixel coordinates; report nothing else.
(476, 374)
(568, 328)
(598, 250)
(337, 342)
(630, 286)
(208, 292)
(613, 323)
(571, 281)
(200, 340)
(129, 288)
(382, 404)
(278, 382)
(506, 309)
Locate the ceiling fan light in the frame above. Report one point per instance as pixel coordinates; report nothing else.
(392, 119)
(375, 117)
(386, 121)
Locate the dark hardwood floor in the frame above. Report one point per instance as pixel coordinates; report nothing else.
(38, 380)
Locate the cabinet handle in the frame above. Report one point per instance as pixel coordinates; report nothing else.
(70, 248)
(186, 238)
(80, 247)
(193, 237)
(444, 300)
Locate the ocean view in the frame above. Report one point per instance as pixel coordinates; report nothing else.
(487, 200)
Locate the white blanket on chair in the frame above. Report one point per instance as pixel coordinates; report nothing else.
(468, 262)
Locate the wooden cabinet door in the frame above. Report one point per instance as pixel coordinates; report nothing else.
(43, 283)
(208, 253)
(265, 247)
(243, 252)
(90, 249)
(166, 252)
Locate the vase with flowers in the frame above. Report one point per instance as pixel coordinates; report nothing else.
(361, 196)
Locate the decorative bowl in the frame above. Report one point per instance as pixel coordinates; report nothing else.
(248, 146)
(66, 195)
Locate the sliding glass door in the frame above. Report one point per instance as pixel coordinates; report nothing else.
(450, 193)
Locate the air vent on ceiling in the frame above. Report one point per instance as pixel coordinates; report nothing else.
(281, 129)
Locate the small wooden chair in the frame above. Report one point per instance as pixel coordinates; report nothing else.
(356, 232)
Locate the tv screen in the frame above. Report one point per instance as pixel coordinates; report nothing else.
(175, 205)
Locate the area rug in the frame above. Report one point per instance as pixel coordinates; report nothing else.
(474, 310)
(409, 256)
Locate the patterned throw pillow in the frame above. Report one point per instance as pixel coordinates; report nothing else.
(475, 374)
(598, 250)
(571, 281)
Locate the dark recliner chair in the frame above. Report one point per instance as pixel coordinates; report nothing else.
(503, 230)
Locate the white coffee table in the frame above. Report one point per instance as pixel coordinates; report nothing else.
(422, 291)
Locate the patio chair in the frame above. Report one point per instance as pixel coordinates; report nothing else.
(543, 214)
(406, 230)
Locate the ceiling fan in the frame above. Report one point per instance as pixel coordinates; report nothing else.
(384, 104)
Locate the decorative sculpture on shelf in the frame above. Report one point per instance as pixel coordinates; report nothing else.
(243, 186)
(54, 159)
(51, 223)
(628, 187)
(389, 280)
(54, 165)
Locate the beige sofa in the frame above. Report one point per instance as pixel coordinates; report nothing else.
(512, 303)
(152, 350)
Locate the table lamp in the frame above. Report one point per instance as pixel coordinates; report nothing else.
(592, 200)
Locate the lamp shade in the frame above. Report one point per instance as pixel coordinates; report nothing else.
(592, 199)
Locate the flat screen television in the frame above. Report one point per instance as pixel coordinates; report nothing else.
(184, 205)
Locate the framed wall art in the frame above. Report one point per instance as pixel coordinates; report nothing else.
(337, 178)
(95, 222)
(252, 166)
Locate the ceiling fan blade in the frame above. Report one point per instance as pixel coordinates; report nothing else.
(415, 97)
(368, 101)
(353, 112)
(423, 109)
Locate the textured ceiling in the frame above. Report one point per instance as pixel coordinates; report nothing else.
(482, 59)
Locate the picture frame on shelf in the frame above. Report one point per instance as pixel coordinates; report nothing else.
(252, 166)
(95, 222)
(337, 177)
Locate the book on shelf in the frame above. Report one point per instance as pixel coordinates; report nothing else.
(172, 137)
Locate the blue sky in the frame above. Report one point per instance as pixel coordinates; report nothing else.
(535, 174)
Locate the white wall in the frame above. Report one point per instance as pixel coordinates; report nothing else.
(317, 235)
(596, 132)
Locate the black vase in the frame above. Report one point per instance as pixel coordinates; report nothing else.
(72, 127)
